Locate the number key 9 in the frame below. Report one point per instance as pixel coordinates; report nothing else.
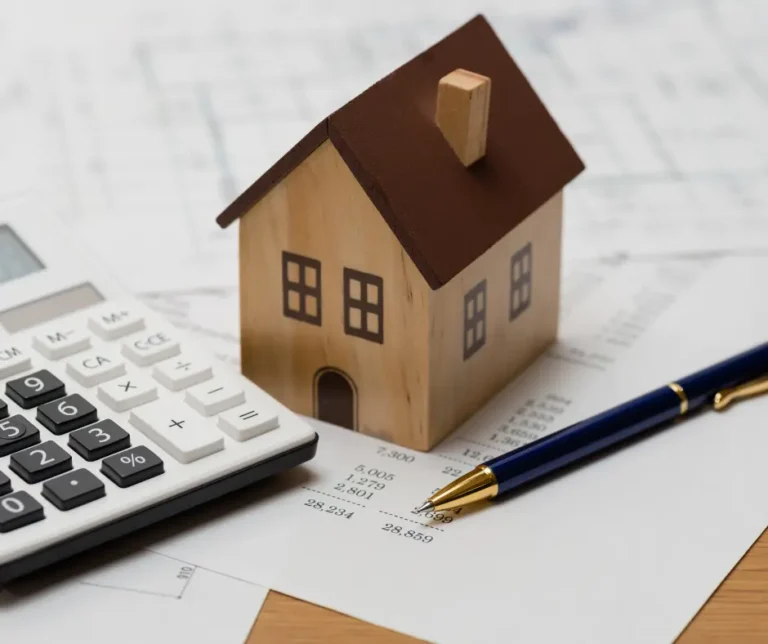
(35, 389)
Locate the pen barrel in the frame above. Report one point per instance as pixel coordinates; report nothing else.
(700, 387)
(586, 438)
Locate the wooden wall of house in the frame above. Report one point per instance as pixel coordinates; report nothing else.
(319, 211)
(459, 386)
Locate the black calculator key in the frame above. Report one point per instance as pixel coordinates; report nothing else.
(35, 389)
(73, 489)
(17, 433)
(3, 409)
(41, 462)
(17, 510)
(100, 440)
(62, 416)
(5, 484)
(132, 466)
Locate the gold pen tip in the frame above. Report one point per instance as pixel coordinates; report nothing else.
(424, 507)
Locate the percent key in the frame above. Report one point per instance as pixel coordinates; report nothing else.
(132, 466)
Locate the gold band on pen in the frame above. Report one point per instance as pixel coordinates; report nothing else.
(681, 395)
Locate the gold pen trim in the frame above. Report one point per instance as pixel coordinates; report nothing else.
(749, 389)
(476, 485)
(681, 395)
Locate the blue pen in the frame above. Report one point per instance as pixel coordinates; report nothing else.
(740, 376)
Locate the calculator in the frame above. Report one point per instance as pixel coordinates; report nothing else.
(110, 418)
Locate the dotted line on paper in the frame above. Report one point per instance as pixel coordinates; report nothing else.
(450, 458)
(425, 525)
(338, 498)
(469, 440)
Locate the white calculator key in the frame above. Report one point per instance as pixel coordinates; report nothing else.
(175, 428)
(61, 342)
(12, 361)
(95, 367)
(182, 372)
(149, 348)
(127, 392)
(116, 322)
(215, 396)
(247, 421)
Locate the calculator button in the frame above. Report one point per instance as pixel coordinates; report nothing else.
(100, 440)
(35, 389)
(96, 367)
(148, 349)
(214, 397)
(182, 373)
(247, 421)
(127, 392)
(174, 427)
(12, 361)
(61, 343)
(114, 323)
(132, 466)
(17, 433)
(73, 489)
(62, 416)
(3, 409)
(41, 462)
(5, 484)
(19, 509)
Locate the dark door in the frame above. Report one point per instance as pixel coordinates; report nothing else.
(335, 398)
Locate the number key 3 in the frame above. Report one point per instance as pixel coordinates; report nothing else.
(62, 416)
(35, 389)
(100, 440)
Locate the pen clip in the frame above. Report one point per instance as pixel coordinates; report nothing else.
(749, 389)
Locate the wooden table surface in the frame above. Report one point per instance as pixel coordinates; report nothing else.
(736, 614)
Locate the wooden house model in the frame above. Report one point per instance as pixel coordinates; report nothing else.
(401, 263)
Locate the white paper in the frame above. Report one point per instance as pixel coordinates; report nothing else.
(149, 118)
(626, 549)
(141, 596)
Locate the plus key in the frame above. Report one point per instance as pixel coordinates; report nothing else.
(178, 430)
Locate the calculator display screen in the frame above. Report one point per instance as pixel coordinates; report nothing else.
(16, 260)
(49, 307)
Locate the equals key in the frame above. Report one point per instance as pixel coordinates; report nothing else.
(247, 421)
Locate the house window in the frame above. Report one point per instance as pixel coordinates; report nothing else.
(474, 319)
(301, 288)
(520, 280)
(364, 305)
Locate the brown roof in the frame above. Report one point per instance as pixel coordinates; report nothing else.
(445, 215)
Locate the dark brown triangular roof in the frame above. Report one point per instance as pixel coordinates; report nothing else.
(445, 215)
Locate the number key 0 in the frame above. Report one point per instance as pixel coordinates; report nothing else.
(100, 440)
(62, 416)
(19, 509)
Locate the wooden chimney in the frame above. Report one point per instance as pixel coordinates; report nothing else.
(463, 100)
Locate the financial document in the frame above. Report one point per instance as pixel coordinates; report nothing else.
(142, 123)
(626, 549)
(139, 596)
(148, 121)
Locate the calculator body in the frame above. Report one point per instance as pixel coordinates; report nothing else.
(111, 419)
